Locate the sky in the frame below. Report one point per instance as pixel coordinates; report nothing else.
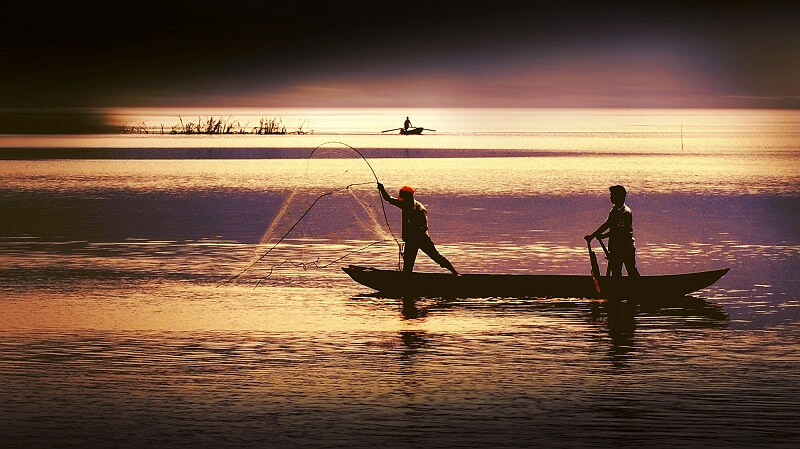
(344, 53)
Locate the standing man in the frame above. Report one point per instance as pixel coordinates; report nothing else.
(620, 234)
(406, 124)
(415, 229)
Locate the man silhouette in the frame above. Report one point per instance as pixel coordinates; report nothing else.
(407, 124)
(415, 229)
(619, 225)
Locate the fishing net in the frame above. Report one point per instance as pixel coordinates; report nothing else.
(335, 216)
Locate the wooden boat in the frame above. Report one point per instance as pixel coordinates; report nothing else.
(396, 283)
(411, 131)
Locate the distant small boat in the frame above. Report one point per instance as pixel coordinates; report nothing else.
(392, 282)
(411, 131)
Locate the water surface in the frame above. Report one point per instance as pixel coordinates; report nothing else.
(117, 328)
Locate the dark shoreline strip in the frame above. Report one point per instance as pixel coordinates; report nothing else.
(54, 153)
(240, 153)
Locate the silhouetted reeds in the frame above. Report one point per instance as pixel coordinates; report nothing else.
(209, 125)
(137, 129)
(270, 126)
(212, 125)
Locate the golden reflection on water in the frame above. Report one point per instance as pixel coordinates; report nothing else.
(473, 145)
(477, 121)
(548, 175)
(560, 130)
(164, 307)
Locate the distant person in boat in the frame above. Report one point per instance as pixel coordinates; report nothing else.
(619, 225)
(415, 229)
(407, 124)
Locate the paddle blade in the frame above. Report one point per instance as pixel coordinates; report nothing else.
(596, 285)
(595, 271)
(595, 266)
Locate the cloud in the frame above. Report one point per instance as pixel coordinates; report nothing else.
(115, 53)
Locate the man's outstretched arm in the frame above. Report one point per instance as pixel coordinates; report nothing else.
(388, 198)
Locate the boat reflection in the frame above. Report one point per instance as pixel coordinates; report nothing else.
(697, 312)
(413, 342)
(411, 311)
(617, 319)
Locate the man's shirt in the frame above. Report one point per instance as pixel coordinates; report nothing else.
(620, 221)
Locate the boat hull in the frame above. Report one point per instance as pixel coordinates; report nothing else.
(396, 283)
(411, 131)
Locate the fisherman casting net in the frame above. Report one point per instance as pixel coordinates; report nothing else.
(335, 215)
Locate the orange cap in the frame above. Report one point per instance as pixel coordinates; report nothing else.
(408, 189)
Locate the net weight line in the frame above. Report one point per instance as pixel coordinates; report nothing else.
(315, 263)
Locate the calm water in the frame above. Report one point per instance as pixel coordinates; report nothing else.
(116, 331)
